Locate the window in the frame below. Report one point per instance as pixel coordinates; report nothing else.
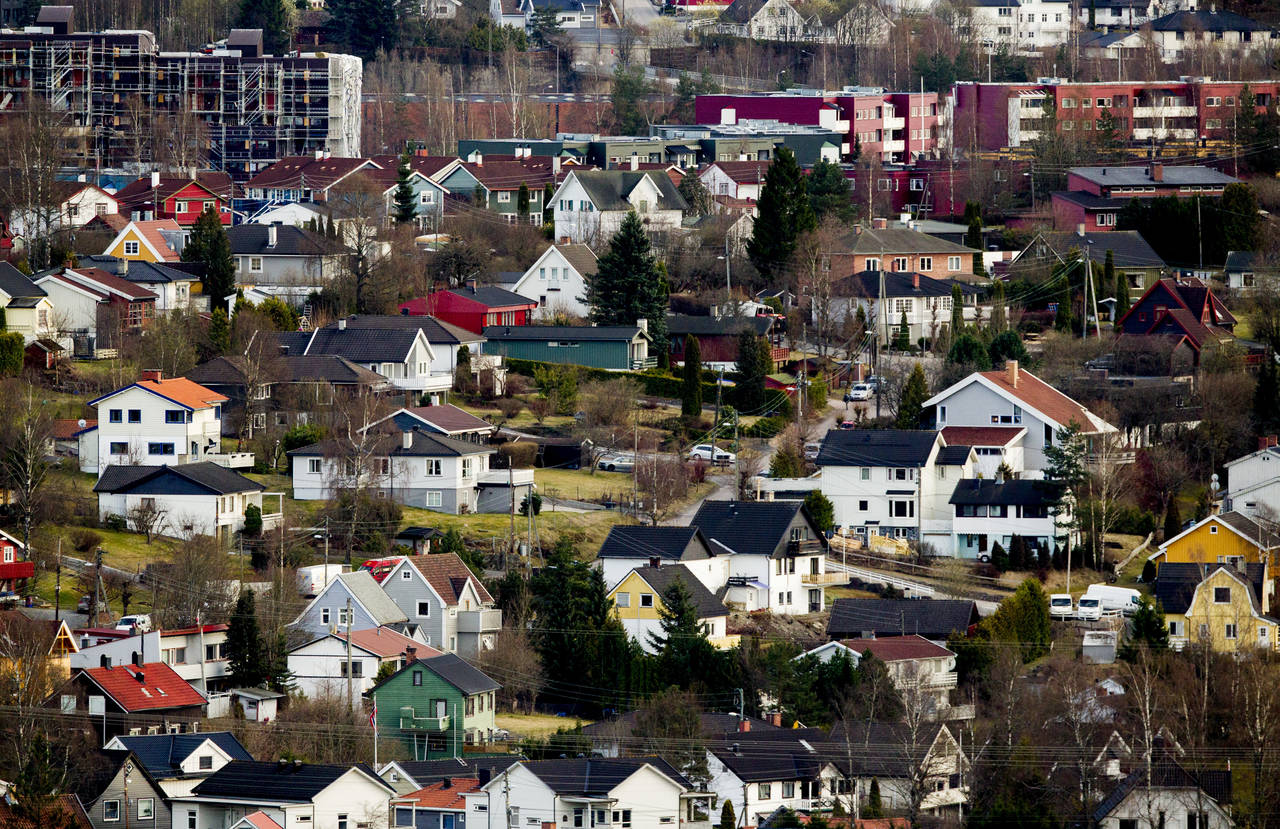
(1222, 595)
(872, 265)
(206, 762)
(646, 600)
(130, 249)
(324, 615)
(175, 416)
(115, 416)
(424, 608)
(862, 506)
(788, 789)
(146, 808)
(159, 448)
(466, 467)
(1213, 123)
(405, 575)
(255, 264)
(900, 263)
(119, 448)
(764, 791)
(1230, 631)
(191, 819)
(357, 669)
(342, 821)
(926, 263)
(1106, 220)
(404, 817)
(313, 466)
(622, 817)
(135, 415)
(953, 263)
(417, 678)
(427, 197)
(902, 509)
(1213, 530)
(434, 466)
(434, 498)
(111, 810)
(866, 473)
(578, 816)
(504, 196)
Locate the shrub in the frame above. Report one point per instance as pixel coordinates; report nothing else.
(84, 541)
(537, 504)
(765, 427)
(252, 521)
(118, 523)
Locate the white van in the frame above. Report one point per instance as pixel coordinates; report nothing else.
(140, 622)
(313, 578)
(1115, 599)
(1060, 606)
(1089, 609)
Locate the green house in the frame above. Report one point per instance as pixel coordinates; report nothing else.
(435, 707)
(613, 347)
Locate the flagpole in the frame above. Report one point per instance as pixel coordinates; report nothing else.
(373, 720)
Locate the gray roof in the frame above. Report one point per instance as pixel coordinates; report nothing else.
(1240, 260)
(748, 527)
(437, 331)
(741, 11)
(271, 782)
(363, 345)
(897, 284)
(905, 750)
(1089, 200)
(1021, 491)
(594, 775)
(899, 240)
(1128, 247)
(183, 479)
(661, 579)
(15, 283)
(644, 542)
(568, 333)
(457, 672)
(934, 619)
(1173, 176)
(290, 241)
(876, 447)
(422, 445)
(608, 189)
(581, 257)
(1205, 21)
(364, 589)
(294, 368)
(136, 270)
(1167, 774)
(953, 455)
(492, 296)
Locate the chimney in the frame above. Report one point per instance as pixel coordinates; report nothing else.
(635, 162)
(857, 230)
(152, 374)
(155, 180)
(136, 660)
(319, 155)
(410, 654)
(1264, 442)
(1080, 230)
(447, 783)
(273, 235)
(326, 153)
(1011, 372)
(193, 172)
(104, 661)
(407, 439)
(141, 677)
(654, 561)
(915, 281)
(342, 324)
(479, 158)
(880, 224)
(1157, 171)
(471, 285)
(122, 267)
(776, 719)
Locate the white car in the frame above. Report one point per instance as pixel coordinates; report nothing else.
(707, 452)
(140, 622)
(616, 463)
(1089, 609)
(859, 391)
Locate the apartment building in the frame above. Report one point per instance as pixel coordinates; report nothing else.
(257, 108)
(994, 116)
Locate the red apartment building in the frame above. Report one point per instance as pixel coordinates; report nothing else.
(181, 199)
(1095, 195)
(986, 117)
(896, 126)
(473, 307)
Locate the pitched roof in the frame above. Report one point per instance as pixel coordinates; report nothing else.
(744, 172)
(447, 794)
(1087, 200)
(258, 820)
(897, 284)
(747, 527)
(931, 618)
(581, 257)
(139, 192)
(456, 671)
(1018, 491)
(65, 429)
(509, 174)
(1176, 582)
(292, 782)
(179, 390)
(364, 345)
(1167, 773)
(575, 333)
(290, 241)
(182, 479)
(1128, 248)
(14, 283)
(413, 314)
(66, 808)
(101, 282)
(876, 447)
(981, 435)
(645, 542)
(384, 642)
(1239, 260)
(448, 418)
(424, 772)
(163, 754)
(151, 231)
(791, 754)
(295, 368)
(364, 589)
(493, 297)
(897, 648)
(594, 775)
(907, 751)
(711, 723)
(952, 455)
(1216, 20)
(1172, 175)
(608, 189)
(898, 240)
(661, 579)
(448, 575)
(741, 11)
(152, 686)
(138, 270)
(298, 172)
(421, 445)
(428, 165)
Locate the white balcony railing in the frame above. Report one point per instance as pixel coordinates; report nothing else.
(231, 460)
(502, 477)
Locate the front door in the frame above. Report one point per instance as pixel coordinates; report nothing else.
(815, 601)
(441, 709)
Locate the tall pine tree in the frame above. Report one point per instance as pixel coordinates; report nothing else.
(405, 207)
(829, 192)
(914, 393)
(246, 656)
(628, 285)
(691, 388)
(209, 245)
(783, 213)
(753, 367)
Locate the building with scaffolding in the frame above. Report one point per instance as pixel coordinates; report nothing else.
(250, 109)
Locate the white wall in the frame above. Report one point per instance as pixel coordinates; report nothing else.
(554, 280)
(205, 426)
(975, 404)
(317, 669)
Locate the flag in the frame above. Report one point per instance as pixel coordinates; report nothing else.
(373, 715)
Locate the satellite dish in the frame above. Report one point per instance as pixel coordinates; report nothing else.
(81, 423)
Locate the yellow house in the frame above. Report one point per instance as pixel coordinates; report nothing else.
(35, 651)
(1218, 539)
(637, 599)
(152, 241)
(1228, 610)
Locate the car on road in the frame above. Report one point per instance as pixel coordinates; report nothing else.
(707, 452)
(848, 424)
(876, 382)
(617, 463)
(83, 605)
(811, 450)
(140, 622)
(858, 391)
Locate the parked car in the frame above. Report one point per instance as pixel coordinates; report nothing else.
(876, 382)
(617, 463)
(141, 622)
(707, 452)
(811, 450)
(83, 605)
(1089, 609)
(858, 391)
(848, 424)
(1114, 599)
(1060, 606)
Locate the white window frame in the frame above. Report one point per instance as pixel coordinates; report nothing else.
(434, 498)
(131, 248)
(953, 263)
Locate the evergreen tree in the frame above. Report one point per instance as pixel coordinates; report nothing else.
(998, 321)
(973, 236)
(405, 207)
(829, 193)
(696, 194)
(957, 312)
(246, 658)
(272, 18)
(968, 350)
(1266, 395)
(914, 393)
(208, 244)
(1172, 520)
(874, 809)
(548, 210)
(220, 330)
(1022, 618)
(1006, 345)
(1106, 138)
(727, 818)
(902, 342)
(629, 89)
(40, 782)
(1001, 560)
(522, 202)
(752, 368)
(691, 388)
(820, 509)
(1147, 630)
(363, 27)
(783, 213)
(628, 284)
(681, 645)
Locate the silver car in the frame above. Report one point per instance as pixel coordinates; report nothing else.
(617, 463)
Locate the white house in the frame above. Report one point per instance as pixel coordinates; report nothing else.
(370, 606)
(446, 605)
(178, 762)
(1178, 34)
(395, 347)
(628, 546)
(1016, 397)
(557, 281)
(737, 179)
(200, 498)
(1253, 481)
(763, 20)
(290, 793)
(589, 205)
(572, 793)
(760, 772)
(993, 511)
(993, 447)
(319, 667)
(157, 421)
(918, 667)
(94, 308)
(1024, 26)
(78, 204)
(1177, 796)
(27, 307)
(925, 302)
(197, 654)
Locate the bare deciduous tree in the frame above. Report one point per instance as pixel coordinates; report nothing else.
(147, 517)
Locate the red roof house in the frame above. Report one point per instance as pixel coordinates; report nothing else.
(474, 307)
(180, 198)
(134, 696)
(445, 796)
(13, 571)
(1184, 310)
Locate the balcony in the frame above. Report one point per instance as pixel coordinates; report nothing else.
(504, 477)
(1141, 134)
(894, 123)
(231, 460)
(409, 722)
(943, 681)
(823, 578)
(1164, 112)
(807, 547)
(644, 363)
(479, 621)
(433, 382)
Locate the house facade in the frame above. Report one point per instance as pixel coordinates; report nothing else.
(96, 308)
(370, 607)
(991, 512)
(27, 307)
(154, 420)
(144, 696)
(612, 347)
(589, 205)
(282, 260)
(177, 198)
(435, 707)
(320, 667)
(291, 794)
(924, 302)
(1227, 614)
(180, 761)
(395, 347)
(638, 602)
(474, 307)
(1225, 538)
(557, 281)
(1253, 480)
(629, 546)
(447, 606)
(158, 240)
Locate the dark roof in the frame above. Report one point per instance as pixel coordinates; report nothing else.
(661, 579)
(437, 331)
(899, 240)
(789, 754)
(294, 368)
(136, 270)
(678, 325)
(931, 618)
(447, 418)
(1176, 583)
(290, 172)
(290, 241)
(419, 533)
(454, 670)
(425, 772)
(1018, 491)
(953, 455)
(1089, 200)
(286, 781)
(163, 754)
(713, 724)
(596, 776)
(741, 11)
(1217, 20)
(1172, 175)
(1166, 773)
(639, 541)
(885, 749)
(571, 333)
(608, 189)
(492, 296)
(747, 527)
(184, 479)
(896, 284)
(422, 445)
(1127, 247)
(15, 283)
(876, 447)
(1239, 260)
(363, 345)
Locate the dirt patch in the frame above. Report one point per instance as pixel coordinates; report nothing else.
(808, 630)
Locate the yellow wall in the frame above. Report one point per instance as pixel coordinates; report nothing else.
(144, 253)
(1203, 546)
(1216, 616)
(634, 585)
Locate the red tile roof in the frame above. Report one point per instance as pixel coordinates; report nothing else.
(295, 170)
(260, 820)
(67, 813)
(897, 648)
(448, 575)
(980, 435)
(67, 429)
(509, 174)
(191, 630)
(447, 794)
(159, 687)
(151, 232)
(181, 390)
(745, 172)
(450, 418)
(428, 165)
(385, 642)
(1043, 397)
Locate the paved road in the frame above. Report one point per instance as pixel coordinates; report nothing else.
(641, 12)
(73, 619)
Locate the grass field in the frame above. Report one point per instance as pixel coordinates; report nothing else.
(535, 725)
(581, 484)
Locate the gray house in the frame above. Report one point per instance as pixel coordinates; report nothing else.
(123, 793)
(449, 606)
(279, 256)
(370, 606)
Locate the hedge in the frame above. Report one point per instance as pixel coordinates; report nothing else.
(654, 383)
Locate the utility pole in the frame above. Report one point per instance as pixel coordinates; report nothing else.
(326, 551)
(349, 696)
(57, 585)
(728, 282)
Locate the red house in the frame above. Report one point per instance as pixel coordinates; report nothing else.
(13, 573)
(1186, 311)
(473, 307)
(181, 199)
(1096, 195)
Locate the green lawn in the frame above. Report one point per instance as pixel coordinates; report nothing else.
(581, 484)
(535, 725)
